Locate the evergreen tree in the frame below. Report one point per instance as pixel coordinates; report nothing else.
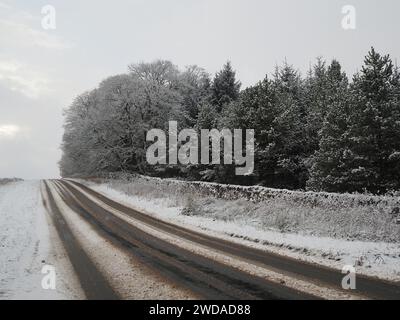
(321, 89)
(260, 109)
(274, 109)
(225, 88)
(360, 140)
(288, 135)
(374, 126)
(315, 100)
(328, 162)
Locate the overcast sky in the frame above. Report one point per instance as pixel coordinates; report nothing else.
(41, 71)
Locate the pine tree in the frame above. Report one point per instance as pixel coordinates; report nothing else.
(328, 162)
(288, 129)
(274, 109)
(321, 87)
(360, 140)
(328, 172)
(375, 126)
(225, 88)
(315, 101)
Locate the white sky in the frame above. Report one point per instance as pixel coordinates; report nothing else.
(41, 71)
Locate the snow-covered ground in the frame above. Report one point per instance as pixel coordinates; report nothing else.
(27, 243)
(376, 258)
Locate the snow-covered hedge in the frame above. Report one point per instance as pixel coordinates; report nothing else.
(348, 216)
(259, 193)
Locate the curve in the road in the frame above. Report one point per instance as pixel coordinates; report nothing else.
(207, 278)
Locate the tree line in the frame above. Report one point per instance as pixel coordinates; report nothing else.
(318, 132)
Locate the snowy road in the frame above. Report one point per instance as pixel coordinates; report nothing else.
(209, 267)
(102, 249)
(204, 277)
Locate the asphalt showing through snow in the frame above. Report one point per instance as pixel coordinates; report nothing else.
(205, 277)
(93, 283)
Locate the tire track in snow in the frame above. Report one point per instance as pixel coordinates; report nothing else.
(366, 286)
(204, 276)
(92, 281)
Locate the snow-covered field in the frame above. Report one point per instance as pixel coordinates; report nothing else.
(25, 245)
(326, 237)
